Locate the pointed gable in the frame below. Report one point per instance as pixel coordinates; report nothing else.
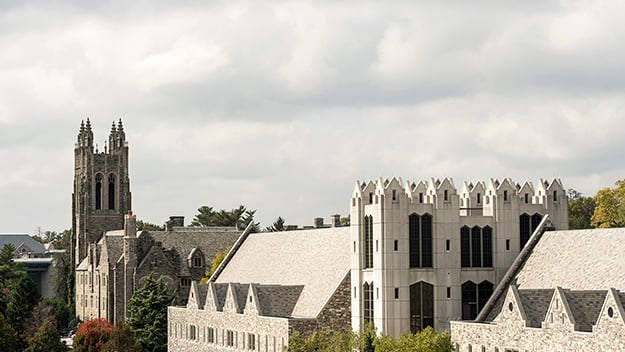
(512, 311)
(231, 304)
(612, 312)
(559, 315)
(252, 307)
(193, 299)
(416, 191)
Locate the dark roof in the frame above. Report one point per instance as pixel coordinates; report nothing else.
(220, 291)
(585, 306)
(277, 300)
(202, 293)
(17, 239)
(535, 303)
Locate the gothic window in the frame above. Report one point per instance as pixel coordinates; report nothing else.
(421, 306)
(111, 192)
(476, 247)
(527, 226)
(368, 242)
(474, 298)
(420, 240)
(98, 191)
(367, 302)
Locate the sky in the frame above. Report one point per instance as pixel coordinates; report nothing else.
(282, 105)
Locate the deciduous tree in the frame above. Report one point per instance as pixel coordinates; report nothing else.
(610, 206)
(92, 335)
(580, 210)
(46, 339)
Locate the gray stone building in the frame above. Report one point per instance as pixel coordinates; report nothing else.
(566, 292)
(269, 285)
(112, 258)
(426, 253)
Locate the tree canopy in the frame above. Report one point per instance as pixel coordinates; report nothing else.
(147, 314)
(239, 217)
(92, 335)
(610, 206)
(580, 210)
(278, 225)
(46, 339)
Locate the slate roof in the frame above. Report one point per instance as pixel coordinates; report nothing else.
(576, 260)
(317, 259)
(535, 303)
(585, 263)
(278, 301)
(17, 239)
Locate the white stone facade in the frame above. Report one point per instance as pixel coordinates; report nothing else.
(381, 228)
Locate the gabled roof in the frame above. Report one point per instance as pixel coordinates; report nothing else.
(18, 239)
(317, 259)
(581, 264)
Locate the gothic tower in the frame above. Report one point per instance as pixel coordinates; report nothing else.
(101, 195)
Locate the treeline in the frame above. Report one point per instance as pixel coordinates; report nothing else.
(605, 209)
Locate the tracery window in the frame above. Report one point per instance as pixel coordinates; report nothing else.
(420, 240)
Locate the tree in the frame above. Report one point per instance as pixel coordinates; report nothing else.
(147, 314)
(239, 217)
(580, 210)
(92, 335)
(217, 259)
(345, 221)
(8, 337)
(144, 225)
(610, 206)
(122, 339)
(47, 339)
(278, 225)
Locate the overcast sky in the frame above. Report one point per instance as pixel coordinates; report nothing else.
(282, 106)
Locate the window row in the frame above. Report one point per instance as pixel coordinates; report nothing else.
(227, 337)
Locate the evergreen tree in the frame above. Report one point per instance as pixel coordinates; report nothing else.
(147, 314)
(8, 337)
(122, 339)
(278, 225)
(47, 339)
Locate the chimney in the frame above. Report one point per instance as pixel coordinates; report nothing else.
(318, 223)
(175, 221)
(336, 220)
(130, 225)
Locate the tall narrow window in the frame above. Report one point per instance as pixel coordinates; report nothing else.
(394, 195)
(420, 240)
(368, 242)
(421, 306)
(479, 198)
(505, 196)
(527, 226)
(446, 195)
(555, 196)
(527, 198)
(476, 247)
(367, 302)
(421, 197)
(111, 192)
(98, 191)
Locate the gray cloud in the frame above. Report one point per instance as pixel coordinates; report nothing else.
(283, 105)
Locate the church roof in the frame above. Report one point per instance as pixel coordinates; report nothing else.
(584, 263)
(317, 259)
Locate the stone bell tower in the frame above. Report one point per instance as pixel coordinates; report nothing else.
(101, 194)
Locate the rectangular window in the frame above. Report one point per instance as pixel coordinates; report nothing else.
(251, 342)
(446, 195)
(527, 198)
(354, 246)
(197, 262)
(370, 197)
(368, 260)
(377, 247)
(448, 292)
(555, 196)
(395, 245)
(479, 198)
(396, 292)
(507, 245)
(210, 335)
(185, 282)
(421, 197)
(229, 338)
(505, 196)
(192, 332)
(447, 245)
(394, 195)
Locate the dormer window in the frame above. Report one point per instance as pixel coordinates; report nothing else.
(198, 262)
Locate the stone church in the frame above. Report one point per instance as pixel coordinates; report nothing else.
(111, 257)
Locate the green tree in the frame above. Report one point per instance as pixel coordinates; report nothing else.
(8, 337)
(580, 210)
(345, 221)
(147, 314)
(610, 206)
(92, 335)
(144, 225)
(239, 217)
(122, 339)
(47, 339)
(278, 225)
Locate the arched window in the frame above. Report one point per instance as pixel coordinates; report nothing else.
(367, 302)
(111, 192)
(368, 242)
(98, 191)
(420, 240)
(421, 306)
(474, 298)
